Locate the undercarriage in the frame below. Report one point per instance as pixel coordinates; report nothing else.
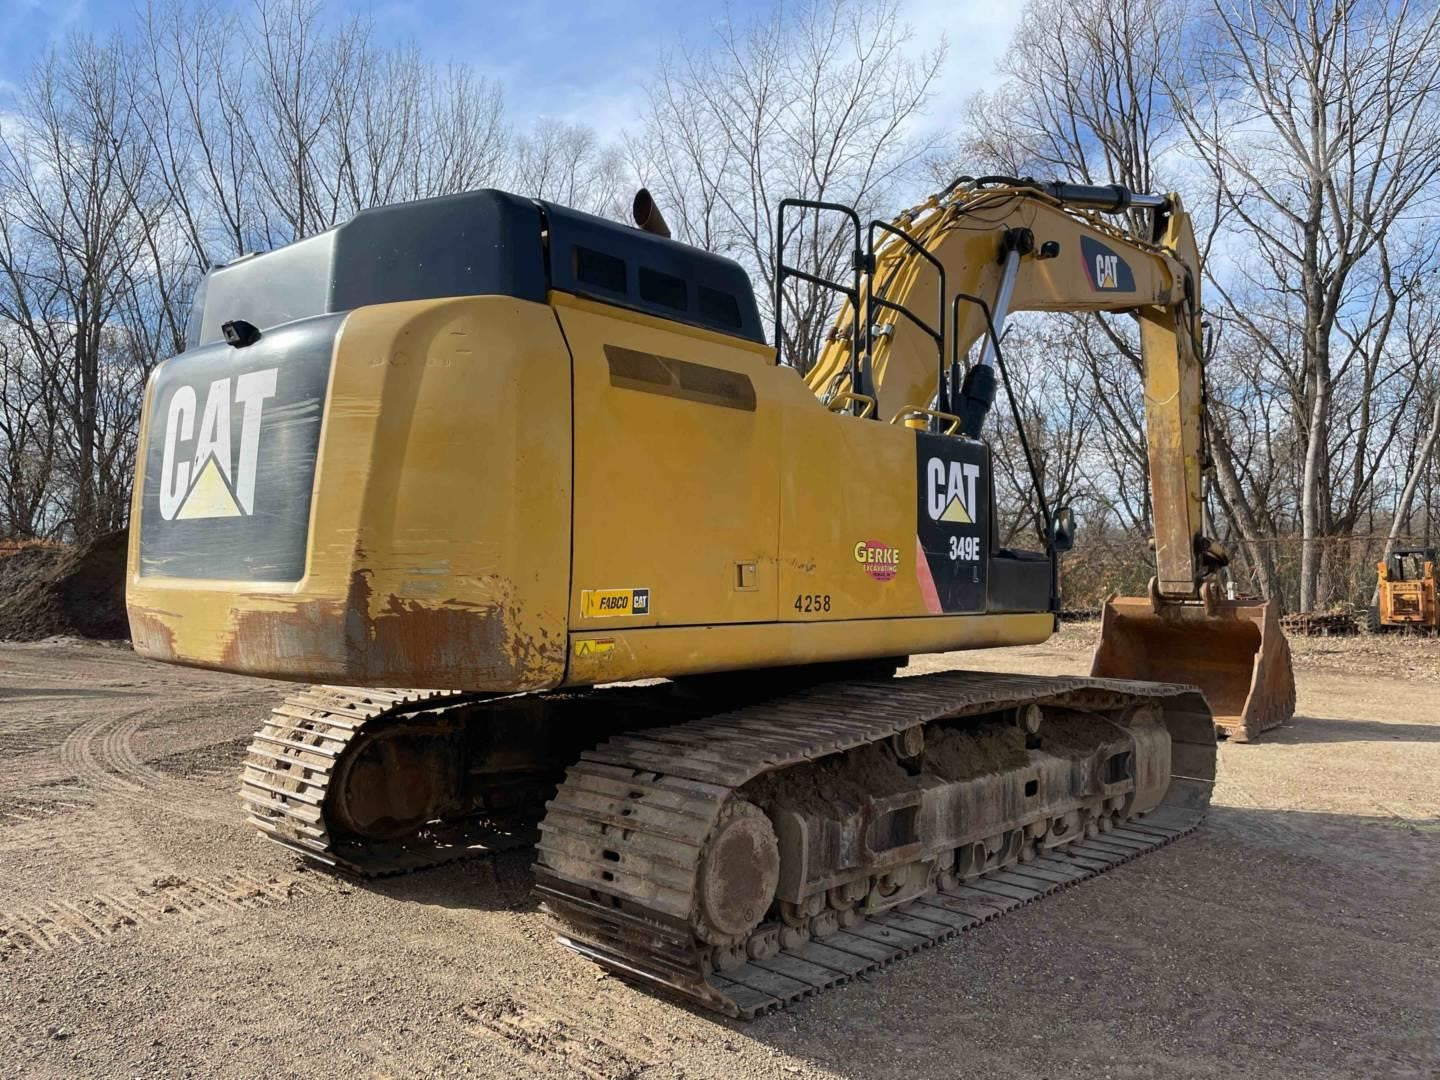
(747, 849)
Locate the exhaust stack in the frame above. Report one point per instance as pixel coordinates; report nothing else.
(647, 215)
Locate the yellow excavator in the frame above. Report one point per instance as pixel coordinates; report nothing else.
(471, 462)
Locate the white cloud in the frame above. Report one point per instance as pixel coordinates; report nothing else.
(977, 33)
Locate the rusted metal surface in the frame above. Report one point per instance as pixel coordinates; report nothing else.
(1236, 653)
(152, 635)
(625, 851)
(377, 642)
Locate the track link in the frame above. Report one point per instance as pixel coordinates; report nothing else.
(294, 757)
(621, 844)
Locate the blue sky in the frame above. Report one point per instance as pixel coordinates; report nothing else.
(581, 60)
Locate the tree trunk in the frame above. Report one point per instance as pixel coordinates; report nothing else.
(1237, 506)
(1311, 495)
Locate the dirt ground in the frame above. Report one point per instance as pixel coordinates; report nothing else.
(145, 930)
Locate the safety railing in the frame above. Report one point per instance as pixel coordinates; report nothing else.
(876, 301)
(783, 272)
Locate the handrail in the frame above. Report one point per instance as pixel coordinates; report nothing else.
(1046, 522)
(937, 334)
(967, 298)
(845, 397)
(852, 293)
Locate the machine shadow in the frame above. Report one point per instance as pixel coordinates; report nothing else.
(1066, 965)
(1317, 729)
(1073, 955)
(499, 882)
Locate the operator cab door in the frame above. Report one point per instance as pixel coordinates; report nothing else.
(677, 490)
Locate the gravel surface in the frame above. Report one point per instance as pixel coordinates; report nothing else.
(145, 931)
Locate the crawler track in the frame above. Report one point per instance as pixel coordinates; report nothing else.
(294, 758)
(622, 842)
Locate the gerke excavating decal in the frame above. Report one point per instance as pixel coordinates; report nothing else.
(230, 455)
(879, 559)
(952, 523)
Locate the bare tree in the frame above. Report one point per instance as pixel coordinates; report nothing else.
(1319, 125)
(817, 102)
(1083, 96)
(29, 432)
(568, 164)
(68, 242)
(1422, 337)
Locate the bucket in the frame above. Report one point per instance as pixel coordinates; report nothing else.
(1235, 652)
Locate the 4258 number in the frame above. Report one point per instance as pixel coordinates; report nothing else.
(810, 602)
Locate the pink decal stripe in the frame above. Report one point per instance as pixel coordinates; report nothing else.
(927, 583)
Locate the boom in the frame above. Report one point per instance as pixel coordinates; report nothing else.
(1019, 247)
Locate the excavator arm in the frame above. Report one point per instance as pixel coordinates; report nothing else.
(950, 273)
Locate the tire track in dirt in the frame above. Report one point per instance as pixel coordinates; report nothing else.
(112, 842)
(41, 805)
(61, 923)
(72, 759)
(554, 1028)
(75, 758)
(543, 1042)
(49, 747)
(101, 753)
(97, 752)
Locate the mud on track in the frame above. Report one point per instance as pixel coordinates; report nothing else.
(145, 931)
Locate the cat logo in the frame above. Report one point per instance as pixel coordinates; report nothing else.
(951, 488)
(1106, 271)
(207, 478)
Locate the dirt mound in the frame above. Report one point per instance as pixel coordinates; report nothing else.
(47, 590)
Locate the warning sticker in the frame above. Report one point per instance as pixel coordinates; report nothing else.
(608, 603)
(594, 647)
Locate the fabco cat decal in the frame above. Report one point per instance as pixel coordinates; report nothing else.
(952, 522)
(611, 603)
(1106, 271)
(880, 560)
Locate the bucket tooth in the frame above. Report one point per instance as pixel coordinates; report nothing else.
(1236, 654)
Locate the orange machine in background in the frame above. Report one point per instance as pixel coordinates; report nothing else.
(1407, 594)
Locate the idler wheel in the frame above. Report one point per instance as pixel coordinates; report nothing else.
(739, 870)
(389, 784)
